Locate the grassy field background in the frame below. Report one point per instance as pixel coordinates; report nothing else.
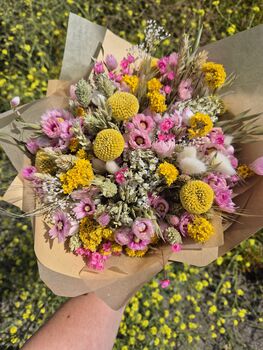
(216, 307)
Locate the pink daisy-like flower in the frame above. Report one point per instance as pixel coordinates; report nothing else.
(185, 89)
(51, 122)
(84, 208)
(66, 129)
(138, 244)
(29, 172)
(143, 229)
(61, 228)
(123, 236)
(161, 206)
(143, 122)
(139, 139)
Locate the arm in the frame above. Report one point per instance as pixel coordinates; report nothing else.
(84, 322)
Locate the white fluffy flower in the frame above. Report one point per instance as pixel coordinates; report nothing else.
(222, 163)
(112, 167)
(228, 140)
(188, 151)
(192, 166)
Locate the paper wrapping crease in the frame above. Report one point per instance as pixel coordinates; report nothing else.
(66, 274)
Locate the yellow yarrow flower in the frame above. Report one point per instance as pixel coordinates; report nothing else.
(80, 175)
(157, 101)
(244, 172)
(200, 125)
(169, 171)
(123, 105)
(215, 74)
(108, 144)
(135, 253)
(132, 81)
(154, 85)
(200, 229)
(196, 197)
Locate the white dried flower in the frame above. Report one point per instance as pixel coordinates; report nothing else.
(222, 163)
(192, 166)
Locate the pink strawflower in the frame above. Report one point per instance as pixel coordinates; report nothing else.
(123, 236)
(72, 92)
(185, 219)
(103, 219)
(161, 206)
(111, 62)
(125, 63)
(29, 172)
(85, 208)
(143, 122)
(15, 102)
(51, 122)
(166, 124)
(115, 77)
(98, 67)
(216, 181)
(167, 89)
(82, 251)
(165, 283)
(164, 148)
(176, 248)
(143, 229)
(139, 139)
(216, 136)
(165, 137)
(257, 166)
(185, 89)
(162, 64)
(173, 220)
(61, 228)
(223, 198)
(120, 176)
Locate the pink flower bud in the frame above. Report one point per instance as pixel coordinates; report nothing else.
(111, 62)
(98, 68)
(72, 92)
(15, 102)
(257, 166)
(173, 220)
(176, 248)
(165, 283)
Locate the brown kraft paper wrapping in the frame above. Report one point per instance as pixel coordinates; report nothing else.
(66, 274)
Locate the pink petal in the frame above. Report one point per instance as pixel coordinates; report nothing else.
(257, 166)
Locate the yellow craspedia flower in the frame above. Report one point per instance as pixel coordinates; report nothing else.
(80, 175)
(108, 144)
(135, 253)
(200, 125)
(123, 105)
(244, 172)
(154, 85)
(196, 197)
(132, 81)
(200, 229)
(169, 171)
(215, 74)
(157, 101)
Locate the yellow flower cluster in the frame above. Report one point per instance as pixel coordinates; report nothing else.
(135, 253)
(196, 197)
(123, 105)
(81, 154)
(200, 125)
(80, 175)
(244, 171)
(132, 81)
(215, 74)
(169, 171)
(73, 144)
(108, 144)
(80, 112)
(157, 101)
(154, 85)
(92, 234)
(200, 229)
